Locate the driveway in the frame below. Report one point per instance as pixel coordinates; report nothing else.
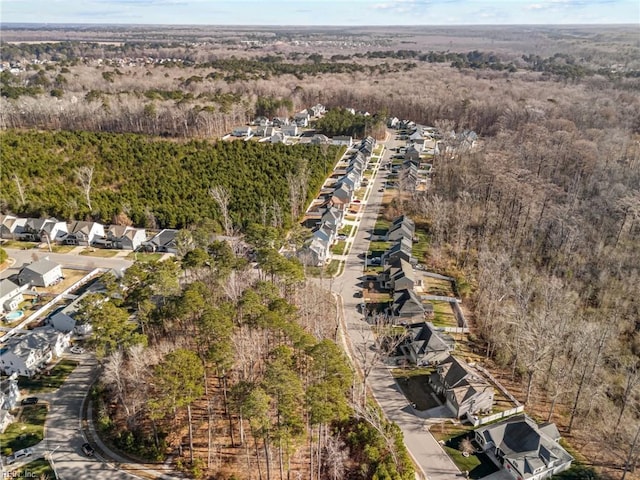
(423, 447)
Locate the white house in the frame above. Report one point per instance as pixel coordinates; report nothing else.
(26, 354)
(290, 130)
(42, 273)
(10, 295)
(123, 237)
(11, 227)
(244, 131)
(83, 233)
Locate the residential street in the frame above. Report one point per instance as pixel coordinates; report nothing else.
(423, 447)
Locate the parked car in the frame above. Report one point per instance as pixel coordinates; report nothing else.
(381, 189)
(25, 452)
(88, 450)
(374, 261)
(76, 349)
(341, 237)
(29, 401)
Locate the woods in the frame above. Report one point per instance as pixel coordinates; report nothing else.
(156, 183)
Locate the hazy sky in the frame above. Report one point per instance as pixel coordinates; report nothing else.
(322, 12)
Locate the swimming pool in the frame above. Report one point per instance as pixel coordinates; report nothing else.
(14, 315)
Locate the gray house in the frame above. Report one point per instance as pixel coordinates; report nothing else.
(10, 295)
(464, 388)
(402, 227)
(525, 449)
(407, 307)
(425, 346)
(163, 242)
(398, 275)
(42, 273)
(401, 250)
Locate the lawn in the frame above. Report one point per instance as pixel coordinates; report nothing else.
(477, 464)
(53, 381)
(443, 315)
(37, 469)
(420, 248)
(436, 286)
(346, 230)
(381, 227)
(339, 248)
(59, 248)
(19, 245)
(144, 257)
(378, 248)
(99, 252)
(27, 431)
(330, 270)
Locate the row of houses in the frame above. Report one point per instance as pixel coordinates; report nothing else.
(335, 201)
(83, 233)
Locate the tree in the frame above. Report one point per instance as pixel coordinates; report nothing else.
(179, 380)
(222, 198)
(85, 177)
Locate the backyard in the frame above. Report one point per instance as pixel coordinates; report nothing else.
(469, 459)
(443, 314)
(26, 431)
(49, 382)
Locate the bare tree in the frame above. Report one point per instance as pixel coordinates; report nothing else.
(85, 177)
(20, 188)
(222, 197)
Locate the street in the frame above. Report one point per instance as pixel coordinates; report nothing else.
(423, 447)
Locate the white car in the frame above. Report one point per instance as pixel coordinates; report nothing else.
(76, 349)
(25, 452)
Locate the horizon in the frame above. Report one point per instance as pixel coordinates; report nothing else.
(317, 13)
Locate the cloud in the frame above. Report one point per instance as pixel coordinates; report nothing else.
(535, 6)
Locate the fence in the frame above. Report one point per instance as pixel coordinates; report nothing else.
(476, 421)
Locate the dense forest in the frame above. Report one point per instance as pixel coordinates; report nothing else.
(157, 183)
(237, 373)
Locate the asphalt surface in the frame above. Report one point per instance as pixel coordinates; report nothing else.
(67, 260)
(425, 450)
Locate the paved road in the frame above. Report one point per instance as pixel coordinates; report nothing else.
(67, 260)
(63, 434)
(423, 447)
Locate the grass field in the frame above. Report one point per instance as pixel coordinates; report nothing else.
(435, 286)
(443, 315)
(144, 257)
(48, 383)
(27, 431)
(37, 469)
(99, 252)
(19, 245)
(58, 248)
(339, 248)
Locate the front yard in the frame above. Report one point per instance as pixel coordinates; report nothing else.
(99, 252)
(416, 388)
(26, 431)
(37, 469)
(48, 383)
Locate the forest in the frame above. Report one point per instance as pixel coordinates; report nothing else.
(540, 223)
(240, 375)
(156, 183)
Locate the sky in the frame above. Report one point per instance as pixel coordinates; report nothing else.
(322, 12)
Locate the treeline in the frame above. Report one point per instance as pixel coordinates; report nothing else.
(156, 183)
(224, 371)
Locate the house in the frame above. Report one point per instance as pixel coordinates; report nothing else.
(302, 118)
(401, 227)
(261, 121)
(40, 229)
(401, 250)
(407, 307)
(525, 449)
(412, 153)
(280, 121)
(332, 216)
(320, 139)
(11, 228)
(367, 145)
(393, 122)
(290, 130)
(417, 135)
(6, 419)
(409, 176)
(341, 196)
(10, 393)
(42, 273)
(10, 296)
(83, 233)
(28, 353)
(423, 345)
(398, 275)
(124, 237)
(340, 140)
(278, 137)
(244, 131)
(64, 320)
(163, 242)
(318, 110)
(464, 388)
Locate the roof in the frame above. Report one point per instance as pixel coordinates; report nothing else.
(406, 303)
(424, 338)
(525, 444)
(42, 267)
(164, 237)
(7, 286)
(36, 339)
